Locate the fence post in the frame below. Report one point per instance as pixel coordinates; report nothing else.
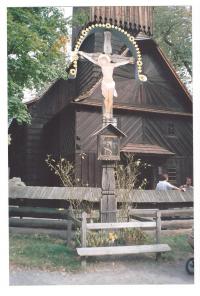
(158, 231)
(69, 231)
(83, 236)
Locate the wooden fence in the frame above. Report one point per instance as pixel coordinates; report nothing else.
(170, 219)
(61, 219)
(48, 207)
(61, 197)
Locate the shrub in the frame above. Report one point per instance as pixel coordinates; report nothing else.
(105, 238)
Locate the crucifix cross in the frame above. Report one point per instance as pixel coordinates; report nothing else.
(107, 62)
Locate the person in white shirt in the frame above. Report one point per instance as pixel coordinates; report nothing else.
(163, 184)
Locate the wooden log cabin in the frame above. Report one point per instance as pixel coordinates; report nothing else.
(156, 115)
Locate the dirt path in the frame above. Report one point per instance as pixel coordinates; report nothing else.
(111, 272)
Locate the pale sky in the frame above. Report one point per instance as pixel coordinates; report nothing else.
(67, 10)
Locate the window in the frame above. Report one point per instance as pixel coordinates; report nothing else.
(172, 175)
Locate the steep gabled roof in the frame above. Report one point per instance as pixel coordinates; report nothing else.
(163, 89)
(173, 70)
(128, 87)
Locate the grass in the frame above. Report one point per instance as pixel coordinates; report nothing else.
(179, 245)
(47, 253)
(43, 252)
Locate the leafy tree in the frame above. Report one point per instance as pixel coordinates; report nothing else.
(173, 32)
(37, 39)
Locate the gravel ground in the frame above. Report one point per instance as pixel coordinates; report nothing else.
(123, 271)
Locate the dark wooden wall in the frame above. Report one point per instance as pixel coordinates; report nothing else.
(156, 132)
(141, 129)
(59, 142)
(17, 150)
(51, 103)
(161, 90)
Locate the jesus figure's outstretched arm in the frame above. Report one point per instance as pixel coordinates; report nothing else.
(88, 57)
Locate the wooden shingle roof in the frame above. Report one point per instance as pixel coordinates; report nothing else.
(145, 149)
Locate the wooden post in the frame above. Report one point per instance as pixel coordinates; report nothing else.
(158, 231)
(69, 231)
(108, 200)
(83, 237)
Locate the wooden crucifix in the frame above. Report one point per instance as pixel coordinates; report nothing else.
(107, 62)
(109, 136)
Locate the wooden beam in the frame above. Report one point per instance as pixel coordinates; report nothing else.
(178, 212)
(37, 212)
(158, 226)
(122, 250)
(137, 224)
(83, 230)
(135, 109)
(38, 223)
(84, 236)
(143, 212)
(42, 212)
(177, 224)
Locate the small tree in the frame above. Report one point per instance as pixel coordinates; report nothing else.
(64, 169)
(173, 32)
(37, 39)
(127, 179)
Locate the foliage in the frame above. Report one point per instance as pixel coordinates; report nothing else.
(43, 252)
(37, 39)
(17, 109)
(63, 168)
(181, 250)
(127, 173)
(173, 33)
(127, 177)
(115, 238)
(80, 17)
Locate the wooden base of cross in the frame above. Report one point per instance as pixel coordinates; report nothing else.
(108, 200)
(108, 150)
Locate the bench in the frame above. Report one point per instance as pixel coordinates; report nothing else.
(157, 248)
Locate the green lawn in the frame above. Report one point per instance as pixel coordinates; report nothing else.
(43, 252)
(179, 245)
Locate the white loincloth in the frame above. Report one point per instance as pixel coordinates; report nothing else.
(105, 86)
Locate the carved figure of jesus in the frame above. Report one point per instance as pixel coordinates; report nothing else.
(108, 84)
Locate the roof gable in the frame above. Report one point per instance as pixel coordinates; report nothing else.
(163, 88)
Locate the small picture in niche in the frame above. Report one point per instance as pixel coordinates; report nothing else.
(109, 147)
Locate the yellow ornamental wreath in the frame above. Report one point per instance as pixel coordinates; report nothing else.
(108, 26)
(142, 77)
(84, 32)
(73, 72)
